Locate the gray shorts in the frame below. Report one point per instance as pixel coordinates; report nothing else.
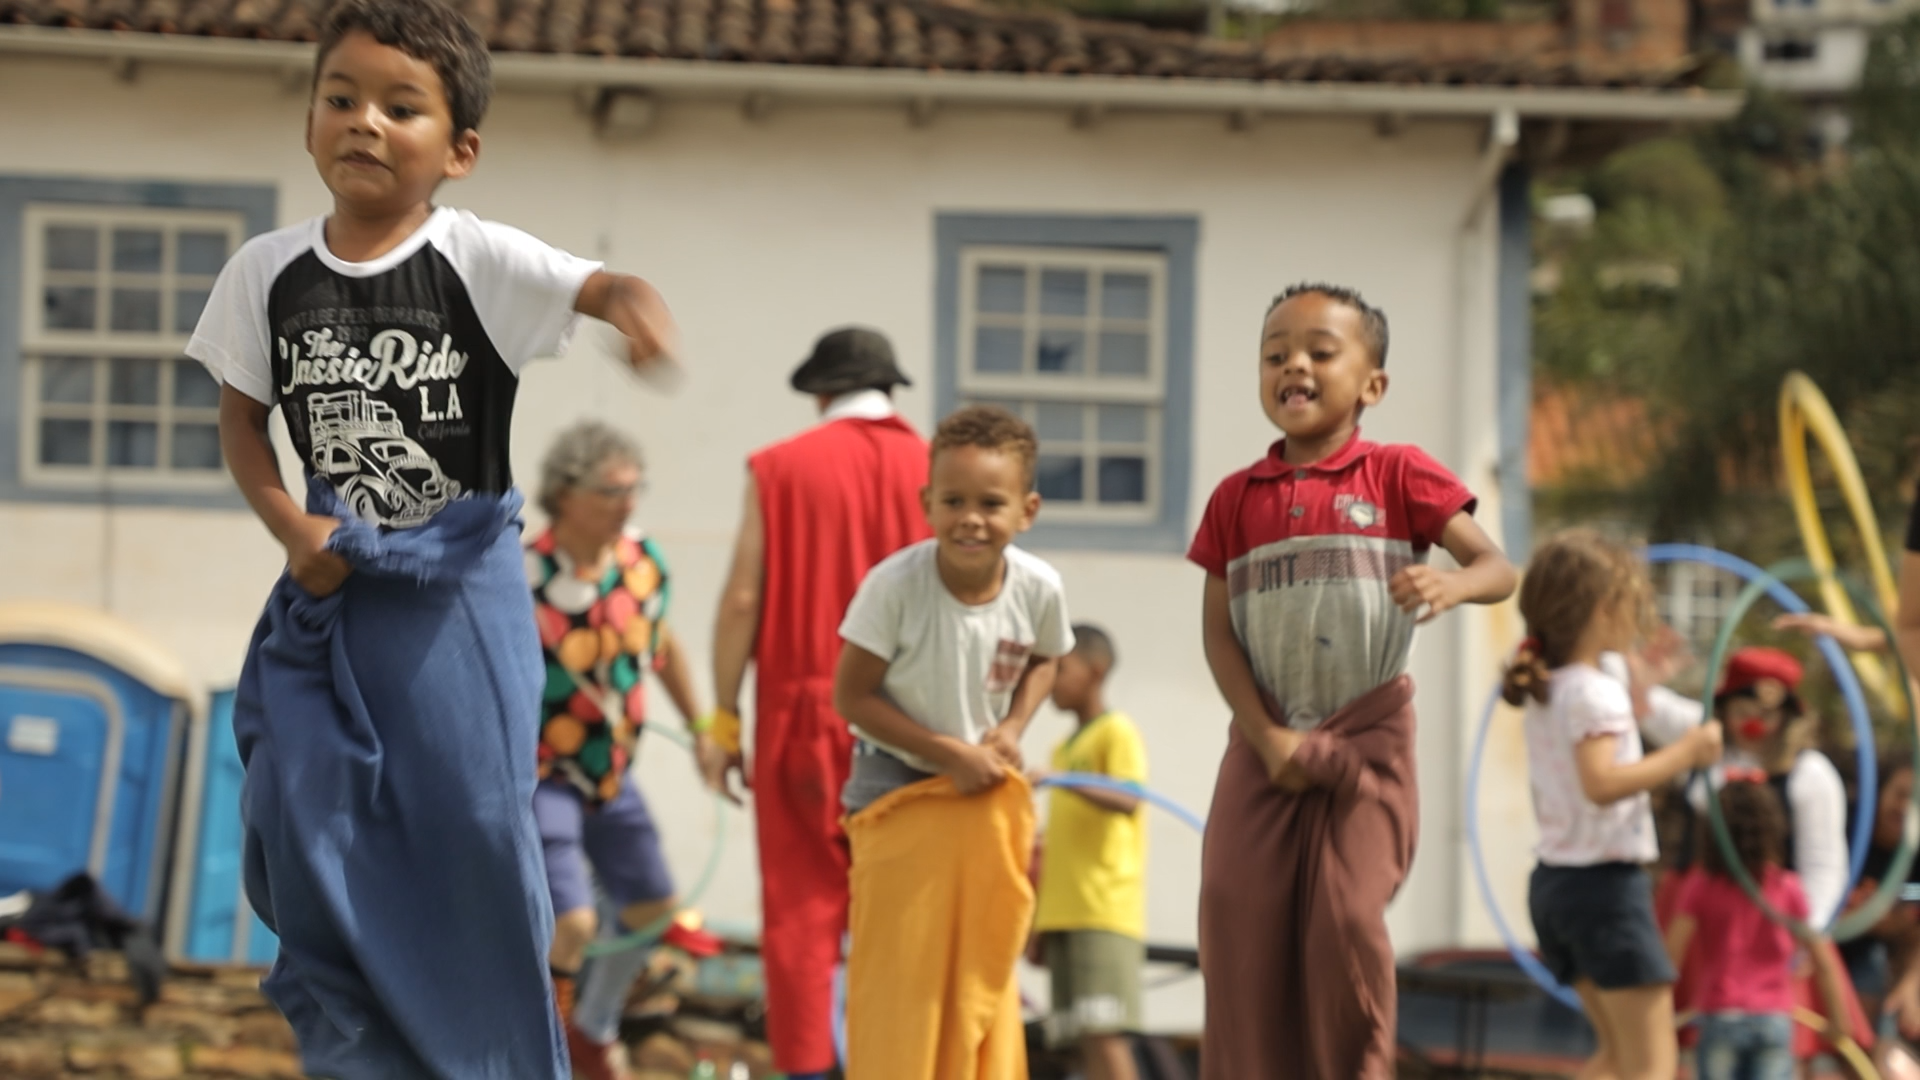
(1096, 984)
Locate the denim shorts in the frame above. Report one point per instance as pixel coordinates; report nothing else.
(1745, 1046)
(1596, 923)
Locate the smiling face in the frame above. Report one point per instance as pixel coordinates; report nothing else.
(380, 130)
(977, 500)
(1316, 369)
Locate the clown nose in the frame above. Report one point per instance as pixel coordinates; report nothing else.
(1753, 730)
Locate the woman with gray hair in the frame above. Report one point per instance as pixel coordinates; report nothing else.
(600, 598)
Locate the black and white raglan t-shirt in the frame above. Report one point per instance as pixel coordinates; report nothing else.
(396, 376)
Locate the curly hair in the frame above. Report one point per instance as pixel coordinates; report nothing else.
(1373, 321)
(1757, 824)
(577, 454)
(427, 30)
(989, 427)
(1573, 577)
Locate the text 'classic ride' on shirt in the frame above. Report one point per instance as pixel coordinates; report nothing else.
(396, 376)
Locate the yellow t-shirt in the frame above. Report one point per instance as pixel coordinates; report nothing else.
(1093, 876)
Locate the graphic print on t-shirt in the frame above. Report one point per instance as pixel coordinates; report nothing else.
(1009, 663)
(390, 385)
(360, 446)
(395, 376)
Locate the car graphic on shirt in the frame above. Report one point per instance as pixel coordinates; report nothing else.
(385, 477)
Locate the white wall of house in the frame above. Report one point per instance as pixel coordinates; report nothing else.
(762, 234)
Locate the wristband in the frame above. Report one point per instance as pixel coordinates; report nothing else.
(724, 728)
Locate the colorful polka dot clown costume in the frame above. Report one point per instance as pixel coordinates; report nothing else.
(601, 637)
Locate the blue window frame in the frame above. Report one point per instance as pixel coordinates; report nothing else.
(1084, 326)
(101, 283)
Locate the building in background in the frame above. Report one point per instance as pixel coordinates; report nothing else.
(1084, 221)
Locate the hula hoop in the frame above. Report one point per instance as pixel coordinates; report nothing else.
(1069, 780)
(1804, 410)
(652, 932)
(1862, 918)
(1850, 689)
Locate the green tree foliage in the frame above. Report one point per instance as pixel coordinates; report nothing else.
(1779, 261)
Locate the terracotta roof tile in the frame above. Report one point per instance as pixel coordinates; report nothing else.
(950, 35)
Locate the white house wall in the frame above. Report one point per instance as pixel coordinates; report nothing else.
(763, 234)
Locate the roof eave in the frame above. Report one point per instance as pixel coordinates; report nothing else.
(697, 78)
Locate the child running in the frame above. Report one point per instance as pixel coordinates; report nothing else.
(1741, 961)
(1092, 917)
(388, 710)
(951, 644)
(1591, 901)
(1316, 575)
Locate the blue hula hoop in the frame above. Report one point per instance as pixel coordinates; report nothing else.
(1098, 782)
(1850, 690)
(1061, 780)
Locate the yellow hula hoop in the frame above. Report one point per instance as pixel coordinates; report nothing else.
(1848, 1050)
(1804, 411)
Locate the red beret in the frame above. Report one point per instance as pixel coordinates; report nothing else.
(1749, 666)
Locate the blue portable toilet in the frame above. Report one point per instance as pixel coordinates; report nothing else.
(209, 919)
(93, 715)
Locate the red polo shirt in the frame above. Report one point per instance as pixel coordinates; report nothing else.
(1308, 552)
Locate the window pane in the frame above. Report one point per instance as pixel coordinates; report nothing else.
(73, 247)
(1123, 423)
(71, 307)
(1123, 479)
(1063, 292)
(187, 306)
(1059, 477)
(133, 444)
(997, 349)
(67, 380)
(1124, 296)
(200, 252)
(66, 442)
(1061, 423)
(1123, 355)
(136, 251)
(1062, 351)
(134, 382)
(1003, 289)
(196, 446)
(193, 387)
(136, 310)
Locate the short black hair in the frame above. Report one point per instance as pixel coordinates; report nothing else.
(1094, 644)
(429, 31)
(1373, 321)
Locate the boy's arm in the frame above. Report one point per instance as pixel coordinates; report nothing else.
(1484, 577)
(1118, 802)
(639, 312)
(1232, 673)
(856, 696)
(1034, 687)
(249, 454)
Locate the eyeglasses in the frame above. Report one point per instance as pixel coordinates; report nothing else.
(618, 491)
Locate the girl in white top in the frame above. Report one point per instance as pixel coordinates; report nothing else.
(1591, 901)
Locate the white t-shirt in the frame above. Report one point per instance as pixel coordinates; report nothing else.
(953, 667)
(1584, 703)
(396, 376)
